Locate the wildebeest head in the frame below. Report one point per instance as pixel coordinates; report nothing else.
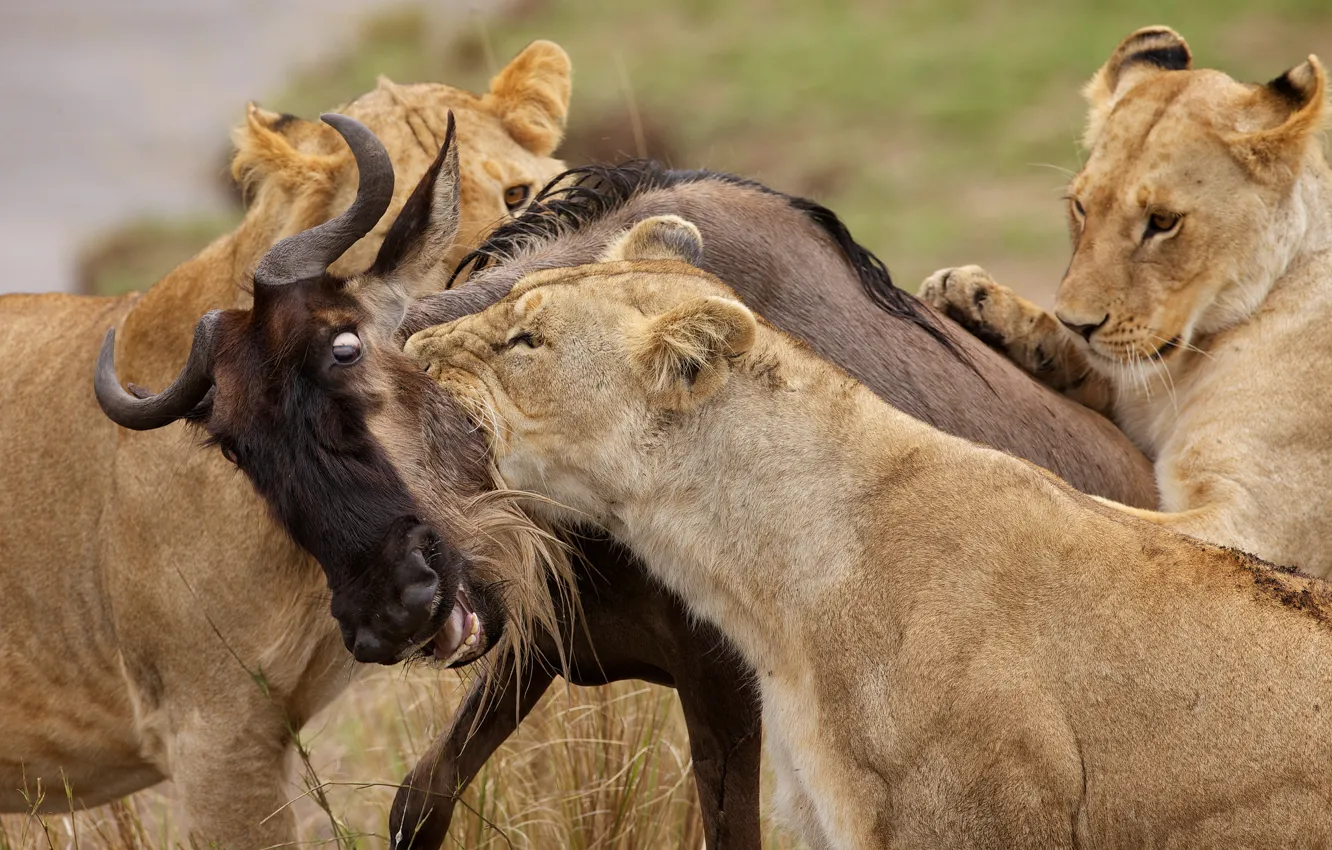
(365, 462)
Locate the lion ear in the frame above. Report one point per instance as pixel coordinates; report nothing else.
(1297, 98)
(273, 144)
(530, 96)
(686, 351)
(258, 119)
(662, 237)
(1145, 53)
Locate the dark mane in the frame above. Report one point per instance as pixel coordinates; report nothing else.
(583, 195)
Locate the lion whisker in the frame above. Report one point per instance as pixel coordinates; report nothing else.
(1179, 342)
(1061, 169)
(1169, 384)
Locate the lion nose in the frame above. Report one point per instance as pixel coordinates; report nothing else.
(1083, 329)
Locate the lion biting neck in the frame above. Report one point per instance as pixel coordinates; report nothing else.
(954, 648)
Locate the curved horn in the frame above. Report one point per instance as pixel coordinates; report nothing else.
(154, 411)
(309, 253)
(437, 308)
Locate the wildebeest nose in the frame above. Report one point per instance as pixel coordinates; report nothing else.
(1083, 329)
(369, 649)
(397, 622)
(419, 584)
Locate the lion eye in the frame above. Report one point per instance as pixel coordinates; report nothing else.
(346, 348)
(516, 196)
(1078, 210)
(526, 339)
(1161, 222)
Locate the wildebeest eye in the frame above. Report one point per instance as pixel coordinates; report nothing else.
(229, 452)
(516, 196)
(346, 348)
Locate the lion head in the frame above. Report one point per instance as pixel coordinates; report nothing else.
(1193, 199)
(505, 137)
(578, 368)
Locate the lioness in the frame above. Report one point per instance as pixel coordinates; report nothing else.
(954, 648)
(155, 622)
(1196, 307)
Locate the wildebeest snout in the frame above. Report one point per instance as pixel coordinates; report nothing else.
(390, 609)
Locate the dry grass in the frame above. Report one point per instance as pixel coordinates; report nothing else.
(604, 768)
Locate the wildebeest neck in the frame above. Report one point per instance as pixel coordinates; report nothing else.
(579, 212)
(799, 269)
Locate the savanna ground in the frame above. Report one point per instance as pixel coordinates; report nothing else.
(942, 131)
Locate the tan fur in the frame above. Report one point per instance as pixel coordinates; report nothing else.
(1236, 290)
(954, 649)
(131, 645)
(531, 97)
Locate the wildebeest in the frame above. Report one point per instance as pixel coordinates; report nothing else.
(287, 389)
(155, 622)
(795, 261)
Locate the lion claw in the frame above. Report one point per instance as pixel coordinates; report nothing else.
(961, 294)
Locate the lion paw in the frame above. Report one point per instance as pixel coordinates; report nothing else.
(970, 297)
(960, 292)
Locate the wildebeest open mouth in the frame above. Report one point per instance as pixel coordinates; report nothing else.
(462, 638)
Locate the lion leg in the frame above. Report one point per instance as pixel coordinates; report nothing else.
(494, 707)
(231, 773)
(1028, 335)
(793, 806)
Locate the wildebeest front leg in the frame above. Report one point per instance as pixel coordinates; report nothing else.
(630, 629)
(636, 629)
(721, 712)
(497, 702)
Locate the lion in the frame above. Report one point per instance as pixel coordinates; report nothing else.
(954, 647)
(1195, 308)
(131, 647)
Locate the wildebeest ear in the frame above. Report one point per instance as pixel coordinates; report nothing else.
(420, 239)
(686, 351)
(1145, 53)
(662, 237)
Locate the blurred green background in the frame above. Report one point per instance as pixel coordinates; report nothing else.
(942, 131)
